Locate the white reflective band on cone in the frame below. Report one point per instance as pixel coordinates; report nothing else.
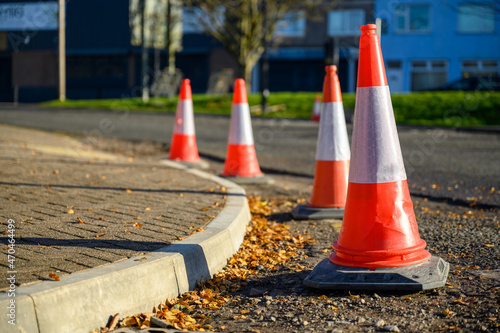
(240, 130)
(184, 120)
(333, 144)
(376, 153)
(317, 108)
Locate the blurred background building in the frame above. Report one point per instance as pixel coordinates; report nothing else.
(425, 43)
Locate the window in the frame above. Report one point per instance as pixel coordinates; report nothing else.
(479, 68)
(345, 22)
(194, 19)
(476, 18)
(393, 64)
(412, 18)
(191, 22)
(428, 74)
(293, 24)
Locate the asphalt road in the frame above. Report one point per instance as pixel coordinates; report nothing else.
(446, 164)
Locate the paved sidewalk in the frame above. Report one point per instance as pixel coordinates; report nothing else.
(75, 208)
(73, 213)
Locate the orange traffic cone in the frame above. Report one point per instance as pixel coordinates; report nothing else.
(332, 156)
(241, 163)
(183, 147)
(379, 246)
(316, 108)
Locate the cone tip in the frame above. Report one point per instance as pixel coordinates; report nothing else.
(366, 29)
(185, 92)
(371, 70)
(331, 68)
(240, 92)
(331, 85)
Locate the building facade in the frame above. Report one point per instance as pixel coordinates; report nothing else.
(102, 63)
(427, 44)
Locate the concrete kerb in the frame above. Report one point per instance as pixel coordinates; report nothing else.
(83, 301)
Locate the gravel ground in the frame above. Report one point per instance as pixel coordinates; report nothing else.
(467, 236)
(468, 303)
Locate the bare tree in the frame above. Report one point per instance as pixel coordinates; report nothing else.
(244, 27)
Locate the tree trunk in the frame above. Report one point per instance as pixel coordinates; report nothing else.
(246, 73)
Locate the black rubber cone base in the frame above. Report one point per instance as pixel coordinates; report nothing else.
(260, 179)
(427, 275)
(303, 212)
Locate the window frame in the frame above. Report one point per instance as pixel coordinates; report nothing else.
(298, 25)
(481, 5)
(480, 67)
(343, 33)
(430, 67)
(407, 16)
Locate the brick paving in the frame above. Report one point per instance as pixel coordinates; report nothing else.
(74, 211)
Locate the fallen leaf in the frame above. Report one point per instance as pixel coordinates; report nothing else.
(99, 235)
(71, 211)
(128, 191)
(147, 208)
(141, 259)
(447, 312)
(489, 245)
(353, 296)
(137, 225)
(80, 220)
(113, 322)
(54, 277)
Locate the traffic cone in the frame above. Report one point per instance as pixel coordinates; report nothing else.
(241, 163)
(183, 146)
(316, 108)
(379, 246)
(332, 157)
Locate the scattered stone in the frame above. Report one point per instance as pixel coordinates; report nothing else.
(391, 328)
(343, 322)
(305, 323)
(380, 323)
(360, 320)
(377, 296)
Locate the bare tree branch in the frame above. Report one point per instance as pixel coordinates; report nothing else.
(243, 28)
